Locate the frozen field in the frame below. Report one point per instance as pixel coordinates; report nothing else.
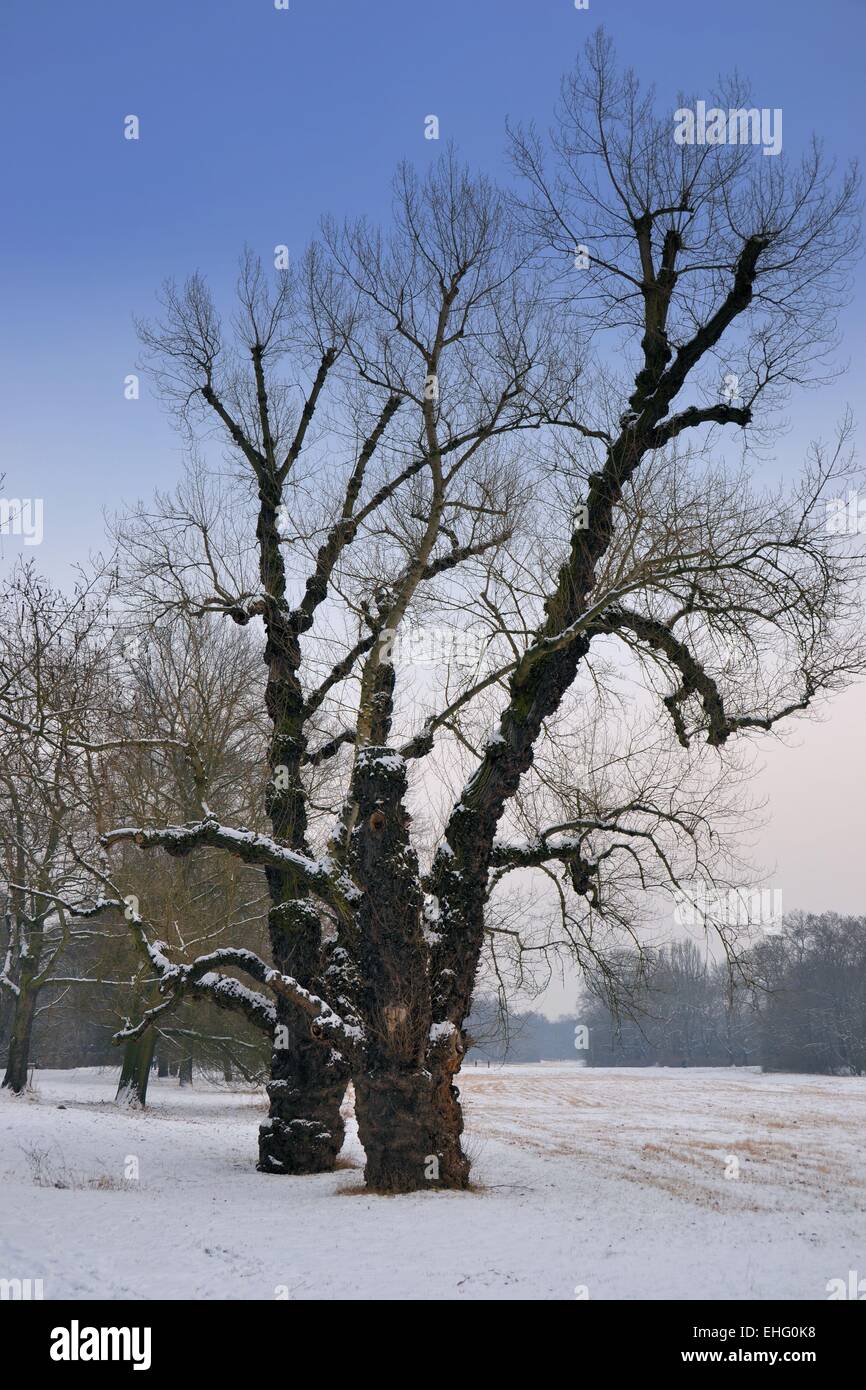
(609, 1179)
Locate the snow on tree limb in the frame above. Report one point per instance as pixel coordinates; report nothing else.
(319, 875)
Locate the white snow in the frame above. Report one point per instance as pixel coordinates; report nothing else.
(392, 761)
(441, 1030)
(612, 1179)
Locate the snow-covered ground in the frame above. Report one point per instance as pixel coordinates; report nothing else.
(614, 1180)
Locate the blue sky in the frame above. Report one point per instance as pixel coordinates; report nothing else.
(254, 121)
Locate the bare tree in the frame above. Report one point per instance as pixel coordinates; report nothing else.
(419, 491)
(54, 689)
(607, 548)
(812, 1000)
(194, 687)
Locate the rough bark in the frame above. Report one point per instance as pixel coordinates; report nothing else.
(304, 1129)
(393, 1084)
(18, 1058)
(445, 1061)
(135, 1069)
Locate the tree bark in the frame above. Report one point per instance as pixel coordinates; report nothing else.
(454, 1164)
(135, 1070)
(394, 1109)
(18, 1058)
(304, 1129)
(394, 1089)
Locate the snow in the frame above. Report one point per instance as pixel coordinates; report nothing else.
(441, 1030)
(391, 761)
(431, 918)
(613, 1179)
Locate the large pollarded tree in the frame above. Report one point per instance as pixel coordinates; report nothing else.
(468, 454)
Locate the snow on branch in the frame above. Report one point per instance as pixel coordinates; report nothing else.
(320, 876)
(200, 979)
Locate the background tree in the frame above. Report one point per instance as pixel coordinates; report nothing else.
(54, 690)
(812, 1004)
(194, 687)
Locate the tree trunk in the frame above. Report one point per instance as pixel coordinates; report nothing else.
(304, 1130)
(19, 1040)
(185, 1072)
(135, 1070)
(394, 1090)
(395, 1117)
(448, 1124)
(162, 1066)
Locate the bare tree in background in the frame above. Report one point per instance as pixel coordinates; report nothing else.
(812, 1002)
(54, 694)
(466, 453)
(194, 687)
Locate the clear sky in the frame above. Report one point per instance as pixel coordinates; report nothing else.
(254, 121)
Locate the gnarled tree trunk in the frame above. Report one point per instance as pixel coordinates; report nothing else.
(394, 1086)
(304, 1129)
(446, 1057)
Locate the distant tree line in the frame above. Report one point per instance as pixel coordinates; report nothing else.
(796, 1002)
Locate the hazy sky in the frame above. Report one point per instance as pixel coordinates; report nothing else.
(253, 121)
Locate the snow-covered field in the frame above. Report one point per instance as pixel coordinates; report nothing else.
(614, 1180)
